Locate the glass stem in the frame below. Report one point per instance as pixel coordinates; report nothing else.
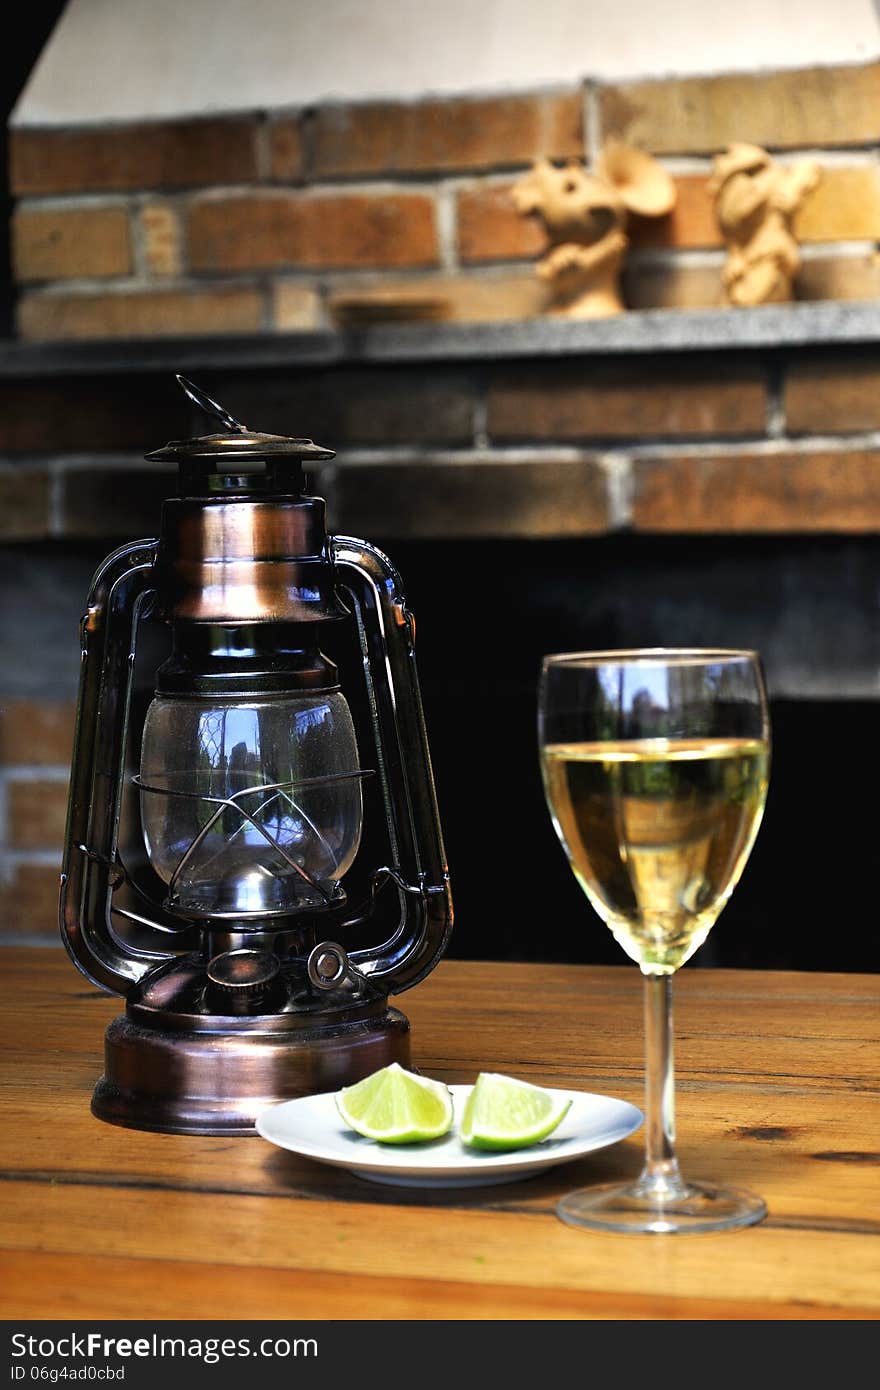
(660, 1174)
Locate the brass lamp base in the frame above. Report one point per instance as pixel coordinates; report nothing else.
(217, 1077)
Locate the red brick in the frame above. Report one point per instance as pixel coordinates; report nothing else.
(36, 731)
(286, 154)
(368, 406)
(691, 223)
(37, 814)
(845, 206)
(566, 402)
(173, 154)
(24, 503)
(59, 243)
(789, 109)
(444, 134)
(483, 498)
(491, 229)
(141, 313)
(759, 492)
(833, 396)
(112, 503)
(263, 232)
(36, 416)
(403, 407)
(29, 904)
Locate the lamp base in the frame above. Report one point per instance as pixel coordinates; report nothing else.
(216, 1077)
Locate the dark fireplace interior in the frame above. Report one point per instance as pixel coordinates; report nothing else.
(487, 611)
(486, 625)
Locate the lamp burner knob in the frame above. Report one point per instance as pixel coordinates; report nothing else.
(327, 965)
(245, 980)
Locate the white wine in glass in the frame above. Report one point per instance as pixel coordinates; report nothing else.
(655, 765)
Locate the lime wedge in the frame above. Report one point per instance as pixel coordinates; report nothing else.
(394, 1106)
(504, 1113)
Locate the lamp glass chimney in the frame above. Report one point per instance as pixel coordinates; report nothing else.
(251, 806)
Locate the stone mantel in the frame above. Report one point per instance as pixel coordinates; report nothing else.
(802, 325)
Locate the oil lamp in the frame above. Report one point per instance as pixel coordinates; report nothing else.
(252, 975)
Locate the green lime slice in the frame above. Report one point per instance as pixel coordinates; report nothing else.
(394, 1106)
(504, 1113)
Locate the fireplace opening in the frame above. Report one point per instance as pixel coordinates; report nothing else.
(487, 613)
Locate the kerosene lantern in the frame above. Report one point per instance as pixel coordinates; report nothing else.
(243, 978)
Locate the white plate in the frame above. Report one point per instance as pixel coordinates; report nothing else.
(313, 1127)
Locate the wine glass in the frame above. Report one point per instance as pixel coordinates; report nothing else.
(655, 764)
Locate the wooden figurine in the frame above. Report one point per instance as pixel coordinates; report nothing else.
(585, 215)
(755, 203)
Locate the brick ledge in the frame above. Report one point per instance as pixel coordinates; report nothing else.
(638, 331)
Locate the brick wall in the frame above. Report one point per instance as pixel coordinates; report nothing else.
(257, 223)
(739, 443)
(730, 450)
(743, 482)
(35, 744)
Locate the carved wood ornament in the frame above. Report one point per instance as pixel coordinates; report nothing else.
(584, 214)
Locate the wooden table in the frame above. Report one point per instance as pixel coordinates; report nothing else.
(777, 1091)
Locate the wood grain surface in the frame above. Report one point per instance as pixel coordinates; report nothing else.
(777, 1090)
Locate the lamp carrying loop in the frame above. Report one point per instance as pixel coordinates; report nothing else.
(207, 403)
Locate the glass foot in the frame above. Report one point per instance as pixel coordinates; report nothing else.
(695, 1206)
